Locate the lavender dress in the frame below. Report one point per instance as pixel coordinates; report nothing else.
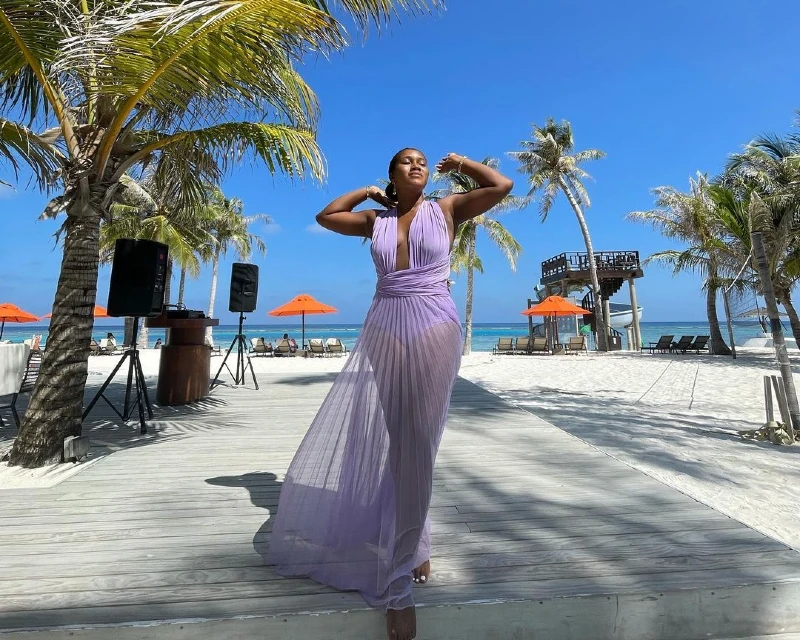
(353, 510)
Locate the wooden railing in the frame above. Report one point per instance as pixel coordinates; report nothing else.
(604, 260)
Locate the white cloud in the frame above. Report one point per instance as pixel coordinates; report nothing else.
(315, 228)
(271, 229)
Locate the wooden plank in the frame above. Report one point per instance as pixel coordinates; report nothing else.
(568, 579)
(447, 572)
(520, 510)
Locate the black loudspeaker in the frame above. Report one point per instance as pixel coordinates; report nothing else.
(244, 288)
(138, 278)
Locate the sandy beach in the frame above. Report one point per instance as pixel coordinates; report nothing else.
(675, 418)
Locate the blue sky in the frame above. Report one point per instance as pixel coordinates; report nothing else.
(665, 89)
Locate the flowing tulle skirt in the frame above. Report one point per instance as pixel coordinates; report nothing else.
(353, 511)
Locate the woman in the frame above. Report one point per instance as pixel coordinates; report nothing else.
(354, 506)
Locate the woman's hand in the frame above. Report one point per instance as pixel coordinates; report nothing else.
(451, 162)
(379, 195)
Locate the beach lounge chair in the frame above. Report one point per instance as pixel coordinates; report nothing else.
(335, 347)
(215, 350)
(260, 348)
(283, 348)
(28, 381)
(682, 344)
(700, 344)
(317, 347)
(504, 345)
(577, 344)
(522, 345)
(107, 347)
(94, 348)
(663, 345)
(539, 345)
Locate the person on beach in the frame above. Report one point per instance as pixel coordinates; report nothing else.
(353, 509)
(292, 343)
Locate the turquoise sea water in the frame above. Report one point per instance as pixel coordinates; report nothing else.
(484, 336)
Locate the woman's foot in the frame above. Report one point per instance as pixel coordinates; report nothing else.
(423, 572)
(401, 624)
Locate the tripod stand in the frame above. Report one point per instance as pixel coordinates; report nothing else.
(240, 342)
(135, 381)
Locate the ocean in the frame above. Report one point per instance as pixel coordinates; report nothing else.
(484, 335)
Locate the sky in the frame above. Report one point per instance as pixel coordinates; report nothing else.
(665, 89)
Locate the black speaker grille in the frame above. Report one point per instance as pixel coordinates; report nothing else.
(244, 288)
(138, 278)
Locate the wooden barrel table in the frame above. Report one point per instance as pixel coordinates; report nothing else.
(184, 373)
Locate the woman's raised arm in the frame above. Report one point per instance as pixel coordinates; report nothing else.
(339, 216)
(493, 186)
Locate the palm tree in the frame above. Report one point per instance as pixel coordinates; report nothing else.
(150, 210)
(464, 256)
(228, 228)
(551, 163)
(91, 90)
(765, 180)
(691, 218)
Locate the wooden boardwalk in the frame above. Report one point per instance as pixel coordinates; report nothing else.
(536, 535)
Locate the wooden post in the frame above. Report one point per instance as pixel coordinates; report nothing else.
(780, 394)
(530, 323)
(768, 400)
(607, 317)
(760, 255)
(637, 330)
(730, 324)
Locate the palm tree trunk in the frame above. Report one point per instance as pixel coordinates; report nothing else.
(181, 286)
(213, 297)
(794, 320)
(470, 289)
(56, 404)
(718, 344)
(762, 264)
(602, 338)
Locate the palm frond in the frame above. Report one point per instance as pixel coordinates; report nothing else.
(281, 147)
(30, 41)
(19, 145)
(200, 55)
(504, 241)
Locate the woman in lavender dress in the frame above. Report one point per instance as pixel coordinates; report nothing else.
(353, 510)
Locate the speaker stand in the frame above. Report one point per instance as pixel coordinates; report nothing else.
(242, 359)
(135, 383)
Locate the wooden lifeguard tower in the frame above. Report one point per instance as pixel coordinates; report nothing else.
(568, 271)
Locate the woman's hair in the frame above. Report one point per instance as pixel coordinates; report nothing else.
(391, 192)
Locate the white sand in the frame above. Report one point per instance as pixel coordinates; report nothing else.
(675, 418)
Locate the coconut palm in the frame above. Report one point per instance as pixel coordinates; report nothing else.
(227, 227)
(464, 256)
(551, 163)
(691, 218)
(760, 190)
(91, 90)
(149, 209)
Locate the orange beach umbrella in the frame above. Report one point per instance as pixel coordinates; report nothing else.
(12, 313)
(555, 306)
(99, 312)
(300, 306)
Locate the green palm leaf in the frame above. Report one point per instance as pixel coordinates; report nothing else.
(18, 144)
